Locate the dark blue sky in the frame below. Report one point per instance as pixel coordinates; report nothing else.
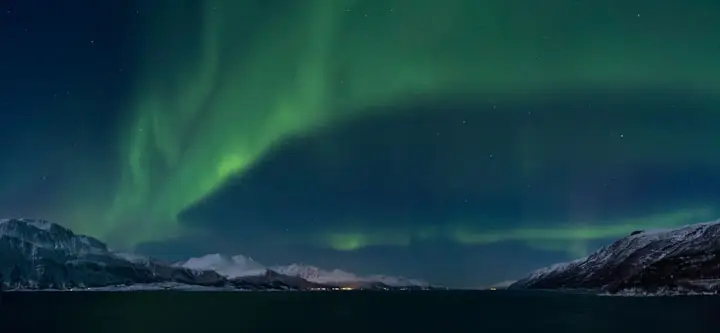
(377, 137)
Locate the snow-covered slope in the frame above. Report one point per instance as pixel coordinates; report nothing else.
(665, 258)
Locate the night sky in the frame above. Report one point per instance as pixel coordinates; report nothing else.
(460, 141)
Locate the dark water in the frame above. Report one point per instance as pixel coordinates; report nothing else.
(437, 311)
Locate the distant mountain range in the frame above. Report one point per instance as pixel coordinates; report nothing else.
(682, 260)
(240, 266)
(37, 255)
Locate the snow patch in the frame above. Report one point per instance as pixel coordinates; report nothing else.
(230, 267)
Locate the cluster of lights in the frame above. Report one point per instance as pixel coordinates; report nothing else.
(333, 289)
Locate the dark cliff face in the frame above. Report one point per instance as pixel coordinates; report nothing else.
(684, 259)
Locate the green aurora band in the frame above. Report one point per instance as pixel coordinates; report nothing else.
(223, 81)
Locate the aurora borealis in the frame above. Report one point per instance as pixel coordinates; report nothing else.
(459, 140)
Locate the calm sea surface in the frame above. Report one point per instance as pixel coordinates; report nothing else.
(432, 311)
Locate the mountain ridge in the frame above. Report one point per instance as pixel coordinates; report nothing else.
(240, 265)
(683, 259)
(40, 255)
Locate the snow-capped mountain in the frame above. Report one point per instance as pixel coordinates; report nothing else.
(239, 266)
(230, 267)
(683, 258)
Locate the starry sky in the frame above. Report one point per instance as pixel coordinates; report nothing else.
(461, 141)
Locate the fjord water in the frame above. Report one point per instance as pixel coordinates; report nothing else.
(432, 311)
